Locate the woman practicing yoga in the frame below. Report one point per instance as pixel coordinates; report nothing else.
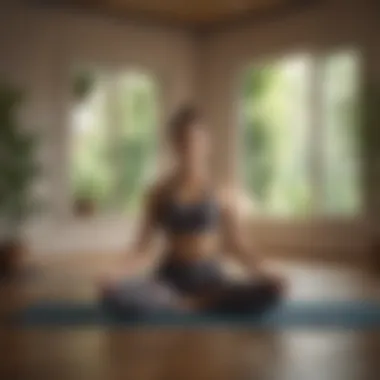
(195, 220)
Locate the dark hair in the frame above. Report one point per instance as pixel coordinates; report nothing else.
(180, 122)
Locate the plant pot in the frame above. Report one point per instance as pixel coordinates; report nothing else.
(11, 253)
(375, 256)
(84, 207)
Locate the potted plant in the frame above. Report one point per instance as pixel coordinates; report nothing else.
(83, 84)
(371, 149)
(85, 198)
(17, 171)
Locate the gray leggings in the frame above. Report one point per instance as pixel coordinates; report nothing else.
(162, 293)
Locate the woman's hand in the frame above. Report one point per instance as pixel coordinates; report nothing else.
(266, 274)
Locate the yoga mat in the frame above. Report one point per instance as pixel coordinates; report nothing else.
(351, 315)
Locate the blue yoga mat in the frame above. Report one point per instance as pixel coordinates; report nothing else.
(352, 315)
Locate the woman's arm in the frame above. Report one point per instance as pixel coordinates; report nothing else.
(137, 255)
(142, 243)
(234, 236)
(237, 243)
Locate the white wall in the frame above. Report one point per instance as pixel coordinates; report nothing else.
(38, 50)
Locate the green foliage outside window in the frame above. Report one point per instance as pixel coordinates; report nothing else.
(114, 143)
(278, 135)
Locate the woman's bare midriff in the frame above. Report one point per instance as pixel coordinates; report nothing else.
(192, 247)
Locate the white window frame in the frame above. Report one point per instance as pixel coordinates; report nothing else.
(316, 131)
(112, 71)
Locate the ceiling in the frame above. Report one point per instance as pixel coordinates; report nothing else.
(190, 13)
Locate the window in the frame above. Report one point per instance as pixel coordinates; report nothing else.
(300, 135)
(340, 166)
(113, 139)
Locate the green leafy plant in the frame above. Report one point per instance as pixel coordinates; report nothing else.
(17, 165)
(83, 83)
(371, 121)
(370, 117)
(86, 188)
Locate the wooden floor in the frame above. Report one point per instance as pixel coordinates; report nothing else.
(181, 354)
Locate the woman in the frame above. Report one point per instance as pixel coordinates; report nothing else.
(195, 221)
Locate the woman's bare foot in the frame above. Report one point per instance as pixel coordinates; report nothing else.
(278, 282)
(196, 303)
(199, 303)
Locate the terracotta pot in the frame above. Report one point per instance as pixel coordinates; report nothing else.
(375, 254)
(11, 253)
(84, 207)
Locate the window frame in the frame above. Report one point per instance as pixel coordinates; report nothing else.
(316, 128)
(112, 71)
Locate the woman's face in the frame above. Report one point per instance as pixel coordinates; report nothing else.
(193, 148)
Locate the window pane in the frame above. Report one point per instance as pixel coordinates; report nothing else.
(341, 185)
(90, 168)
(275, 136)
(113, 141)
(137, 141)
